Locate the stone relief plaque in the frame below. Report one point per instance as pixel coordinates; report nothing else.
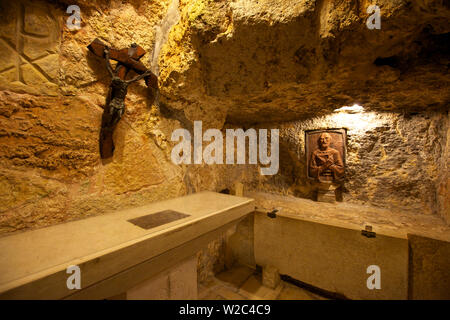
(325, 161)
(29, 41)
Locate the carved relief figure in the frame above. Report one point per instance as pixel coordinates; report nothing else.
(326, 164)
(325, 159)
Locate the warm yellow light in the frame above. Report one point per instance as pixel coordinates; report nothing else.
(355, 119)
(350, 109)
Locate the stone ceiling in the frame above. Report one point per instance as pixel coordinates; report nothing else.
(251, 61)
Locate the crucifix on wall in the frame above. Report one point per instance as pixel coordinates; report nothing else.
(127, 60)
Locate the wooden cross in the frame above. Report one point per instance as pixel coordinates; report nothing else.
(127, 60)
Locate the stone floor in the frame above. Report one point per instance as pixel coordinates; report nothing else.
(243, 283)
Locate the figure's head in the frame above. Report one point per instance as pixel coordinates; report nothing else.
(324, 140)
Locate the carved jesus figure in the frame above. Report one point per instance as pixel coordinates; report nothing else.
(115, 107)
(326, 163)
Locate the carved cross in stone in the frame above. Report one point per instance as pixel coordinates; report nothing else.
(127, 60)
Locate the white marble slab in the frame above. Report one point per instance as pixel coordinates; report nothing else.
(33, 264)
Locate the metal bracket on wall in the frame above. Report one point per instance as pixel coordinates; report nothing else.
(272, 214)
(368, 232)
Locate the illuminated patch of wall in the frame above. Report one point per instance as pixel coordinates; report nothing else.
(353, 118)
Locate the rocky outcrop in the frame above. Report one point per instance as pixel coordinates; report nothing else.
(287, 60)
(290, 64)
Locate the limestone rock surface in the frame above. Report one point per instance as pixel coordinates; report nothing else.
(284, 60)
(286, 64)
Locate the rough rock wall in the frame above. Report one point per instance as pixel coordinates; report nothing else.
(238, 61)
(291, 59)
(396, 161)
(295, 62)
(443, 187)
(211, 259)
(53, 92)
